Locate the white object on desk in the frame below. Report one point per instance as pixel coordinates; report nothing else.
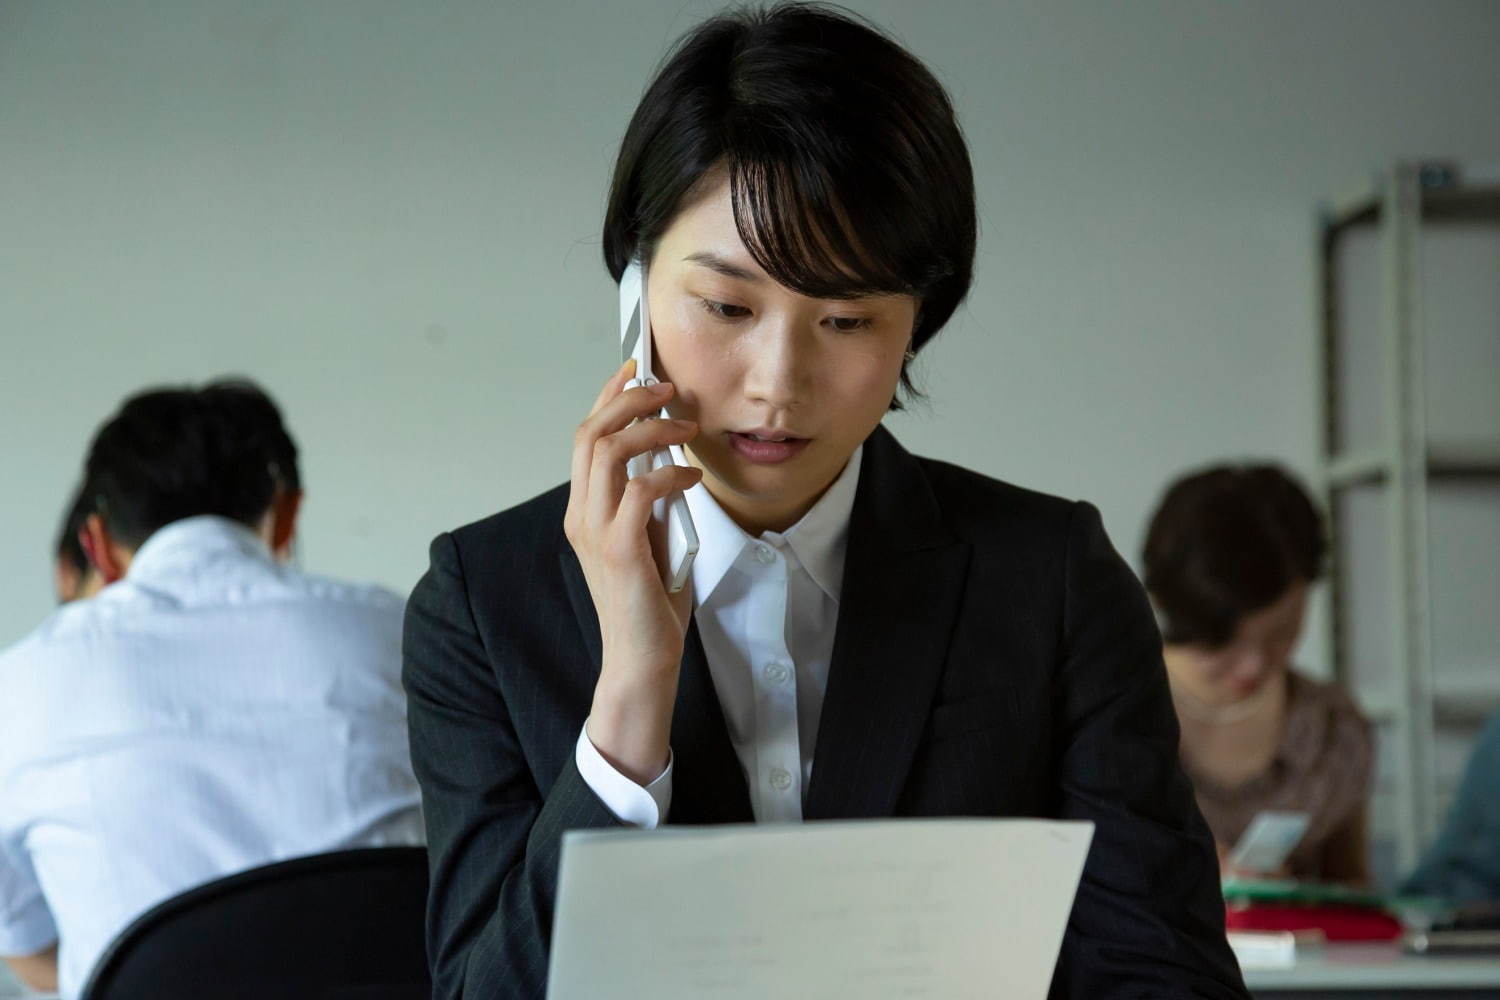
(947, 909)
(1263, 949)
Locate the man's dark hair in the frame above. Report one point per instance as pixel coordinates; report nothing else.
(848, 172)
(256, 410)
(68, 545)
(172, 453)
(1226, 542)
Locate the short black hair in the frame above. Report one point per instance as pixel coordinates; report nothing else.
(254, 409)
(1225, 542)
(848, 172)
(171, 453)
(69, 548)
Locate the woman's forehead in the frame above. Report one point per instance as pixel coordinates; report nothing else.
(705, 224)
(705, 234)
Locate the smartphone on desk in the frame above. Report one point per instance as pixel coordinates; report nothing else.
(673, 520)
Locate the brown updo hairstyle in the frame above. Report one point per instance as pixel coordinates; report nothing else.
(1226, 542)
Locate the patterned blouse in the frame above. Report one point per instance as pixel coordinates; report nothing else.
(1323, 767)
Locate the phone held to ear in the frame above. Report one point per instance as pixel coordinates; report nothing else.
(671, 513)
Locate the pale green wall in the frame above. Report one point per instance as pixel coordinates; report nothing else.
(388, 213)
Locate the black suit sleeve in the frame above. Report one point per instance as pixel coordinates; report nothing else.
(493, 840)
(1149, 917)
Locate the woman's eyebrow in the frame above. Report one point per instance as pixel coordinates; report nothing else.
(716, 263)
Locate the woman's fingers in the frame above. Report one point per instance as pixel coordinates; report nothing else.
(613, 415)
(608, 512)
(639, 494)
(609, 473)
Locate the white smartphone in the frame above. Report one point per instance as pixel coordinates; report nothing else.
(1268, 841)
(671, 513)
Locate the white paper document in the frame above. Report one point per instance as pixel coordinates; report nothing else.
(946, 908)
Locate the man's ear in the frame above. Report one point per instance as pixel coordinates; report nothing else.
(108, 557)
(284, 510)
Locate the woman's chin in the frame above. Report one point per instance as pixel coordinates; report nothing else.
(751, 485)
(1242, 694)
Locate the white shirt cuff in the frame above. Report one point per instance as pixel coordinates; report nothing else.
(643, 807)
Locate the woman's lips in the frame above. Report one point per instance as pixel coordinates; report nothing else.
(763, 452)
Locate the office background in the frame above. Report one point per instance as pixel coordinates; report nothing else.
(388, 214)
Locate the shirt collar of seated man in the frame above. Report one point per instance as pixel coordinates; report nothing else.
(111, 558)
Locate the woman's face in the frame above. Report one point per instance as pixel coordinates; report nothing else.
(784, 387)
(1260, 649)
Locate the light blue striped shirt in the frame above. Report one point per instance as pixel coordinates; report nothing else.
(210, 712)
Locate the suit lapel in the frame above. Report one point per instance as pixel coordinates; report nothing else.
(903, 582)
(708, 784)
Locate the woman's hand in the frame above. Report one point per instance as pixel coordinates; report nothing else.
(608, 523)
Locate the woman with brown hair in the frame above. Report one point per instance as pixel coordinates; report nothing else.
(1231, 554)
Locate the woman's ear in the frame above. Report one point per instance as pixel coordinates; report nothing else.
(107, 556)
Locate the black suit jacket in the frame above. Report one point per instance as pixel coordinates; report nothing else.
(994, 656)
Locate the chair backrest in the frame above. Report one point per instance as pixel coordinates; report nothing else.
(341, 926)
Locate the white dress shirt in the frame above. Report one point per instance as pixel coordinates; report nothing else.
(766, 609)
(210, 712)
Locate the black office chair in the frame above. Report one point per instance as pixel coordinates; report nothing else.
(342, 926)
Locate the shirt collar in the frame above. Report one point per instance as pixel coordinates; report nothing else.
(187, 540)
(819, 540)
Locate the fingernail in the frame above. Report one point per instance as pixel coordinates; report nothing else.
(660, 388)
(685, 424)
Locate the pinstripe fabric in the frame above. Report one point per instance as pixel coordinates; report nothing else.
(993, 657)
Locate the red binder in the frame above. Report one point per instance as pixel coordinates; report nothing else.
(1336, 923)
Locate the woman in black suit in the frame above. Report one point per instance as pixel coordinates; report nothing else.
(866, 633)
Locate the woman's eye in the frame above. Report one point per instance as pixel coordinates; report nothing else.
(848, 324)
(723, 310)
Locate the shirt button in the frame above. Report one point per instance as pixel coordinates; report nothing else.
(778, 672)
(764, 554)
(781, 779)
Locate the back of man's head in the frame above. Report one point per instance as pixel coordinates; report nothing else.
(172, 453)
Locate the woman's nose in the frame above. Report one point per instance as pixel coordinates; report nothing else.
(777, 369)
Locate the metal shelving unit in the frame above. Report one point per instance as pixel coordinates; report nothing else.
(1405, 464)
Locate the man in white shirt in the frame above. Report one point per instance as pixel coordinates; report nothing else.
(210, 710)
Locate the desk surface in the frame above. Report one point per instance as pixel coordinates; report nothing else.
(1385, 967)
